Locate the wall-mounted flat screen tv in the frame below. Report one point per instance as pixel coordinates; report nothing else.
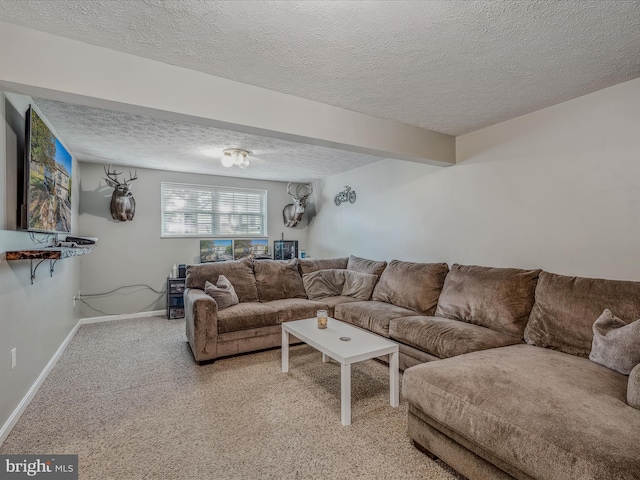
(47, 180)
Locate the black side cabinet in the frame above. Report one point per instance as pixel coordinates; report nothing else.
(175, 300)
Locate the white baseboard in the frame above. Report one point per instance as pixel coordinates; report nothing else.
(17, 413)
(124, 316)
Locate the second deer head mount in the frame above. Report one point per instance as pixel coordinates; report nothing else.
(123, 205)
(292, 213)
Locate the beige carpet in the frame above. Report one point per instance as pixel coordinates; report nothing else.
(129, 399)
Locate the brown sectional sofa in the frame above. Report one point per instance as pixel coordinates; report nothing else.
(511, 395)
(270, 292)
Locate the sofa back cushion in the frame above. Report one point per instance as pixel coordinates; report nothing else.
(324, 283)
(238, 272)
(335, 282)
(362, 265)
(358, 285)
(277, 279)
(497, 298)
(415, 286)
(307, 265)
(566, 308)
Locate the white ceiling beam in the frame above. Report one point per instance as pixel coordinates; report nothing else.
(40, 64)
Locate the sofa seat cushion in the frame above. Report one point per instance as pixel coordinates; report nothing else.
(496, 298)
(446, 338)
(373, 316)
(549, 414)
(296, 308)
(415, 286)
(332, 302)
(245, 316)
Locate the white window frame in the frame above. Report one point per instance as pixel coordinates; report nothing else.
(213, 190)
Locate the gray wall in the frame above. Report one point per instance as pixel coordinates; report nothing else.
(34, 319)
(557, 189)
(130, 253)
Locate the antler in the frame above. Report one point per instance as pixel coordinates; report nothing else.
(307, 186)
(132, 177)
(113, 176)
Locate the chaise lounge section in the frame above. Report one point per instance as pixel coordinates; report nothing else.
(541, 410)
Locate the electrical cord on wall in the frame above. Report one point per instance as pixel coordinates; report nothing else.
(125, 286)
(160, 293)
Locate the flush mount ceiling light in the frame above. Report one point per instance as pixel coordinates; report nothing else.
(235, 156)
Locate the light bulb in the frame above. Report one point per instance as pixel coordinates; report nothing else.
(244, 164)
(238, 158)
(227, 160)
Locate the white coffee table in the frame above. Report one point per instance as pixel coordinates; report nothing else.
(362, 346)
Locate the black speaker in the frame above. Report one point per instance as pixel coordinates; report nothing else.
(182, 270)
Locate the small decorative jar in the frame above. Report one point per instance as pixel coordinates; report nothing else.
(322, 317)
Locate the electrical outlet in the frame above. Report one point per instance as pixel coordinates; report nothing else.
(13, 358)
(74, 300)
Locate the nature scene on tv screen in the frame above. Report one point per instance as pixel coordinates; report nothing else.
(49, 202)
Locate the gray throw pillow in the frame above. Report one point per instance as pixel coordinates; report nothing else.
(616, 343)
(323, 283)
(223, 293)
(358, 285)
(633, 388)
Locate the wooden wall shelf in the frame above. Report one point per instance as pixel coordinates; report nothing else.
(53, 254)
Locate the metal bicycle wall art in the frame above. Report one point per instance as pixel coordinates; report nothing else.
(347, 195)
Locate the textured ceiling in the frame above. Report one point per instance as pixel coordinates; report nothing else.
(104, 136)
(449, 66)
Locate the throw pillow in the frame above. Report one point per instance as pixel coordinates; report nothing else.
(324, 283)
(633, 388)
(358, 285)
(616, 343)
(278, 279)
(363, 265)
(223, 293)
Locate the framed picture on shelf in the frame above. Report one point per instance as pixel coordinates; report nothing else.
(285, 249)
(251, 248)
(216, 250)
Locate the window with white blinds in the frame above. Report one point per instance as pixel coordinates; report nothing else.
(202, 210)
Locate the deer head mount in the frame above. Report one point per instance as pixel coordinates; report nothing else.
(292, 213)
(123, 205)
